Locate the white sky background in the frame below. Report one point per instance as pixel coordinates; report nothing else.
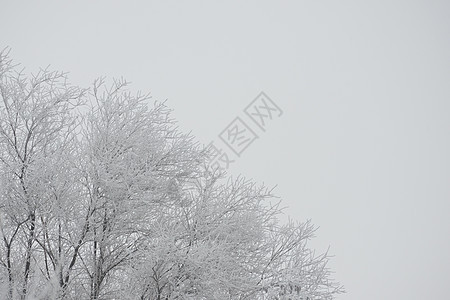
(363, 145)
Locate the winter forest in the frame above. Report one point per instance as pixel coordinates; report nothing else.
(102, 196)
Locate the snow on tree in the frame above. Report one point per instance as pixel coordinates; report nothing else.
(103, 197)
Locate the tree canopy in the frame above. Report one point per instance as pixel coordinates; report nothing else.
(103, 197)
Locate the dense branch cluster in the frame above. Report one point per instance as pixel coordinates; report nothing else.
(102, 197)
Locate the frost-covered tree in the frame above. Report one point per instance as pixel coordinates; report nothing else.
(102, 197)
(37, 122)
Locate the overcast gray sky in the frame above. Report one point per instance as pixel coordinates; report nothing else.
(362, 147)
